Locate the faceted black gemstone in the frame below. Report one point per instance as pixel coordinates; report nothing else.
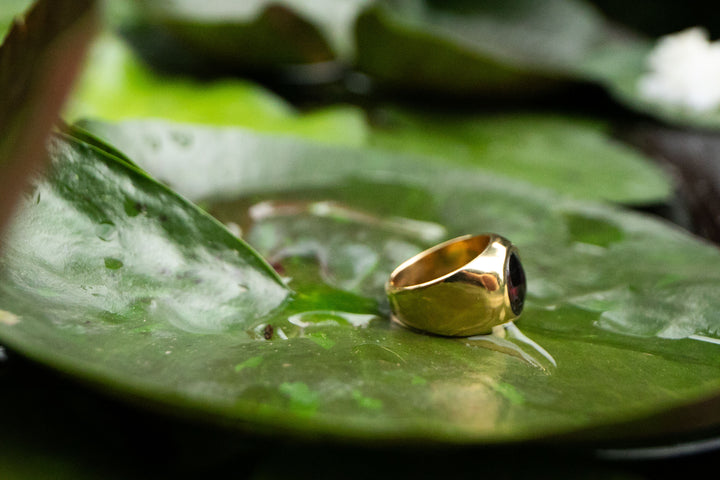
(516, 284)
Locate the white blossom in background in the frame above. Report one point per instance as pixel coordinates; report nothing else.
(684, 71)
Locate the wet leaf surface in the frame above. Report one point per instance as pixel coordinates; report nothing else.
(618, 328)
(103, 246)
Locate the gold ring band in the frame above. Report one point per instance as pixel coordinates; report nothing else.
(461, 287)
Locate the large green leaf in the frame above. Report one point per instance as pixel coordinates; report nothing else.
(621, 310)
(116, 85)
(570, 155)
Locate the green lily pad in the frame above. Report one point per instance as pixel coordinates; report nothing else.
(116, 85)
(455, 47)
(103, 245)
(462, 47)
(619, 328)
(573, 156)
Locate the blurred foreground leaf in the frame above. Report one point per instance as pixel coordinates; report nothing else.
(39, 58)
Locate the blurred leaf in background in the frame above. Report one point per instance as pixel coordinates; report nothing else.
(259, 34)
(482, 50)
(470, 48)
(116, 85)
(568, 154)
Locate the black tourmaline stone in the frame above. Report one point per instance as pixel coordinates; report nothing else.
(516, 284)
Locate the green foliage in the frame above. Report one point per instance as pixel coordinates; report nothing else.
(201, 246)
(170, 324)
(570, 155)
(116, 85)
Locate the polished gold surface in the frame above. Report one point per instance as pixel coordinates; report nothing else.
(461, 287)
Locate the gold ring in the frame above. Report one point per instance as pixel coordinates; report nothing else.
(461, 287)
